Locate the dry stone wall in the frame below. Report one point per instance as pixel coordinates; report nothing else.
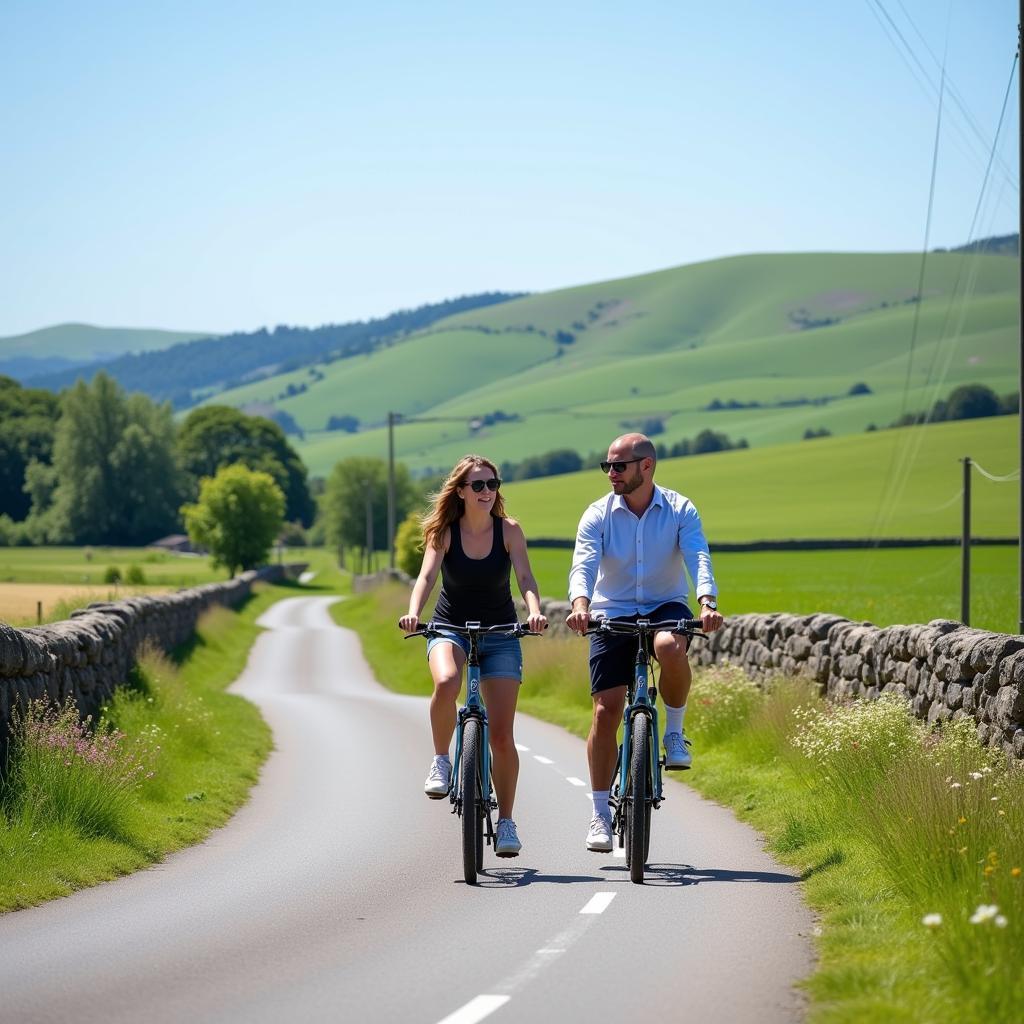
(945, 669)
(89, 655)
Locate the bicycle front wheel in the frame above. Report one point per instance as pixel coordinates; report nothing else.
(472, 804)
(638, 821)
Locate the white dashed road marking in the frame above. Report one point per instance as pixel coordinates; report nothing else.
(519, 746)
(542, 760)
(598, 903)
(573, 781)
(475, 1010)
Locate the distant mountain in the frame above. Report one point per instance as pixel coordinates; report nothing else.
(1003, 245)
(66, 346)
(182, 370)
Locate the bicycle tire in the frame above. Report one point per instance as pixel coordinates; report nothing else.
(471, 802)
(638, 823)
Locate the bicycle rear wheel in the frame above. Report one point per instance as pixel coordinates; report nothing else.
(472, 802)
(638, 819)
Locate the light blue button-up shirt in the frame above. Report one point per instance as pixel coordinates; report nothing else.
(628, 565)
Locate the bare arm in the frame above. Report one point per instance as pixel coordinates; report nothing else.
(515, 541)
(424, 585)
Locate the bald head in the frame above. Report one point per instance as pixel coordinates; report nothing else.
(637, 446)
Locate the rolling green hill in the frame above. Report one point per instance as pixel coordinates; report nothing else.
(780, 338)
(893, 483)
(62, 346)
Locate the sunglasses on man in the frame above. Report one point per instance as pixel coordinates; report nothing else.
(619, 467)
(478, 485)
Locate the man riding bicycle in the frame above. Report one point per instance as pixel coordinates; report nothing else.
(631, 549)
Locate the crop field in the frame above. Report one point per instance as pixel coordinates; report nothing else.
(791, 333)
(883, 586)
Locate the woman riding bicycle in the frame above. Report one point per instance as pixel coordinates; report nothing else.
(472, 543)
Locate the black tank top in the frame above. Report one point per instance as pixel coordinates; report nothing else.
(475, 589)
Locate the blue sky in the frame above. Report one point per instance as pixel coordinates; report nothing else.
(224, 166)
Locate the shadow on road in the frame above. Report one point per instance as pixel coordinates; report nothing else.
(687, 874)
(508, 878)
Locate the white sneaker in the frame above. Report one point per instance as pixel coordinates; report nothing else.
(506, 843)
(677, 753)
(599, 838)
(438, 779)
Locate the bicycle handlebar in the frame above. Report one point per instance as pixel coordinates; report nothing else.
(682, 627)
(518, 629)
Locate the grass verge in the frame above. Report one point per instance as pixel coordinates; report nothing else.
(173, 757)
(910, 843)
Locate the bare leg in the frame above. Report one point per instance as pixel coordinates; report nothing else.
(602, 749)
(500, 697)
(446, 661)
(670, 650)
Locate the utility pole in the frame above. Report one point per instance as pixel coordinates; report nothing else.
(965, 548)
(369, 531)
(1020, 331)
(391, 419)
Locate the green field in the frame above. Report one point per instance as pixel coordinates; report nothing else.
(883, 586)
(773, 329)
(892, 483)
(87, 565)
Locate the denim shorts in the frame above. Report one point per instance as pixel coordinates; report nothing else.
(613, 656)
(501, 657)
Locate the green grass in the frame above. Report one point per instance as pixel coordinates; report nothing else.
(864, 808)
(883, 585)
(829, 487)
(211, 746)
(665, 345)
(87, 565)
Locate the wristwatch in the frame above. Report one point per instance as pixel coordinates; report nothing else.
(708, 602)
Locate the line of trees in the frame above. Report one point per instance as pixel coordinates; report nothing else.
(96, 465)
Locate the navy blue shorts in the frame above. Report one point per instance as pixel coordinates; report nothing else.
(612, 656)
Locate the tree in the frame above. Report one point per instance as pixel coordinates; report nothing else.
(117, 481)
(237, 517)
(971, 401)
(409, 544)
(27, 420)
(219, 435)
(353, 483)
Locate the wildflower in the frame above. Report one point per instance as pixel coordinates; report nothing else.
(961, 821)
(1000, 921)
(988, 870)
(985, 912)
(955, 785)
(1015, 872)
(931, 920)
(995, 798)
(977, 775)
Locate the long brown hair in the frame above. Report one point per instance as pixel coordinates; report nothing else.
(448, 507)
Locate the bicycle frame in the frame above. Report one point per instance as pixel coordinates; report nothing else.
(473, 708)
(640, 700)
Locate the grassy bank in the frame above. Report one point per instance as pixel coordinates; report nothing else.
(910, 844)
(175, 756)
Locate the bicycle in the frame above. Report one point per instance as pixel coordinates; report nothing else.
(470, 790)
(637, 782)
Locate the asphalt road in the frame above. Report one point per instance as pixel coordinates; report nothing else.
(336, 893)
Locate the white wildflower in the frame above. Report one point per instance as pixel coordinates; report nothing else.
(977, 775)
(931, 920)
(985, 912)
(1001, 922)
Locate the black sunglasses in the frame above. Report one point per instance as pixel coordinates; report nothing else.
(619, 467)
(478, 485)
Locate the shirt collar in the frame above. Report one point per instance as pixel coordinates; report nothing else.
(618, 501)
